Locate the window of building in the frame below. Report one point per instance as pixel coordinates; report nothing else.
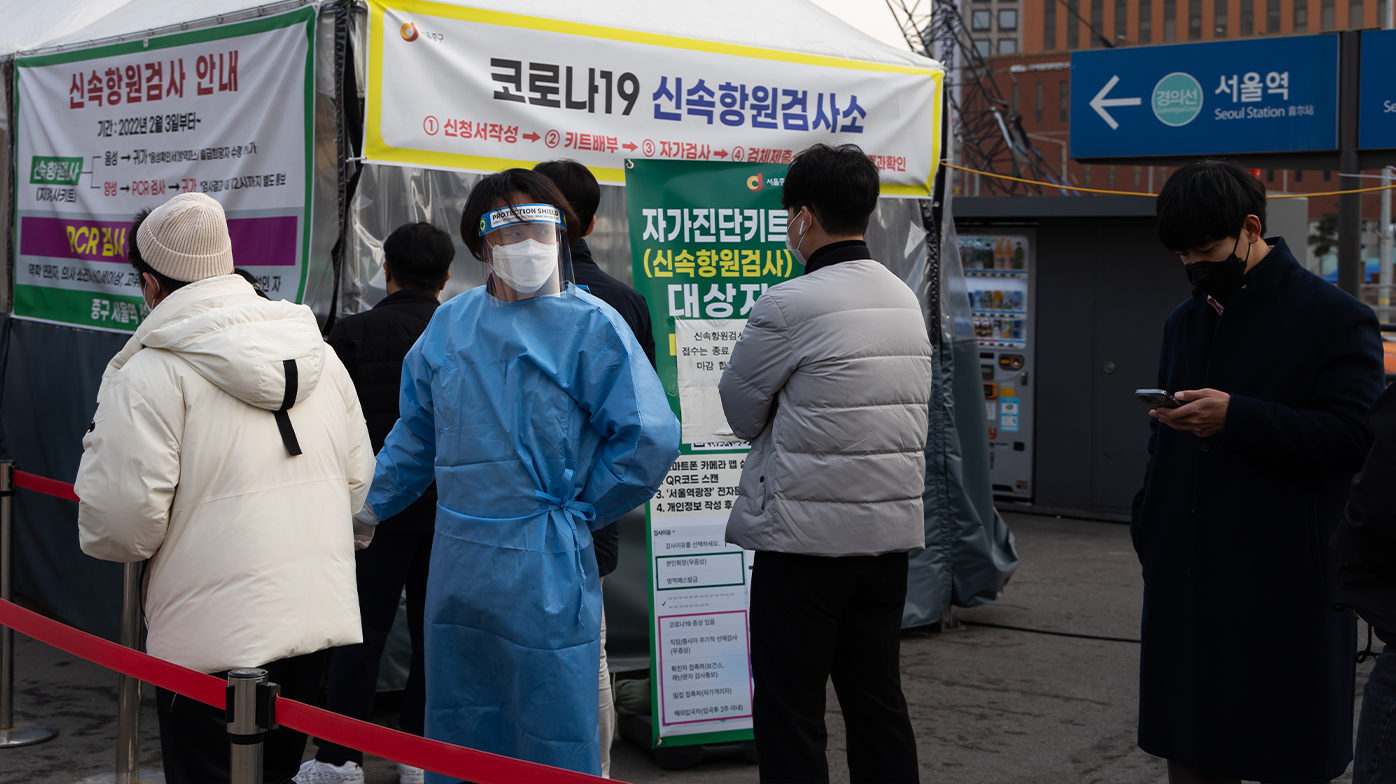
(1219, 18)
(979, 21)
(1170, 21)
(1269, 175)
(1073, 23)
(1272, 16)
(1301, 15)
(1355, 14)
(1136, 175)
(1247, 18)
(1008, 46)
(983, 47)
(1146, 21)
(1086, 175)
(1121, 21)
(1013, 98)
(1298, 175)
(1194, 20)
(1327, 15)
(1063, 100)
(1037, 103)
(1049, 26)
(1098, 21)
(1327, 175)
(1008, 19)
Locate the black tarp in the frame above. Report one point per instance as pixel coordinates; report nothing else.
(51, 375)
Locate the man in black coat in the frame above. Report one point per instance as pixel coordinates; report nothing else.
(1246, 669)
(1367, 578)
(372, 346)
(584, 193)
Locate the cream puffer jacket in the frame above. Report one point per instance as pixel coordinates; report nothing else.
(251, 549)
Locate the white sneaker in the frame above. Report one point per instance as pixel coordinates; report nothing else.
(316, 772)
(406, 774)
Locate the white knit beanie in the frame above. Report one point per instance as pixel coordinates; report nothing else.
(186, 239)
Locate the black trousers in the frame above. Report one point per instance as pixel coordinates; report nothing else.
(194, 736)
(813, 618)
(393, 561)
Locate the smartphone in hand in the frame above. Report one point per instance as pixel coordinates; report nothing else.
(1156, 398)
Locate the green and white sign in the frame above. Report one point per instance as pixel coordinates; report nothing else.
(104, 132)
(707, 239)
(1177, 99)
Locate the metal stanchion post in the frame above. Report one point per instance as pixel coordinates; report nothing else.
(128, 699)
(251, 712)
(11, 734)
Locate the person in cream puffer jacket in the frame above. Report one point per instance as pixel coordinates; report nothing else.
(228, 448)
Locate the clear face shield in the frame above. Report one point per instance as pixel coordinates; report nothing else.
(527, 251)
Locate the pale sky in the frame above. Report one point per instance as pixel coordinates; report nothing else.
(870, 16)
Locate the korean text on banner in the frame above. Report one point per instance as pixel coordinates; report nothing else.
(107, 131)
(708, 239)
(526, 89)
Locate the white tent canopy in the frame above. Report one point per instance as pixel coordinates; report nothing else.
(793, 25)
(68, 24)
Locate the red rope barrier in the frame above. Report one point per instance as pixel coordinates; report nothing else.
(469, 764)
(444, 758)
(45, 485)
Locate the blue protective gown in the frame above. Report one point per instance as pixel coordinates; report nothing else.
(540, 421)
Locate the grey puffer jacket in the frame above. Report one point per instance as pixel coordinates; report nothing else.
(830, 382)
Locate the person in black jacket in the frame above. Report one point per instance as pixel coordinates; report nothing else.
(1367, 580)
(1246, 669)
(372, 346)
(584, 193)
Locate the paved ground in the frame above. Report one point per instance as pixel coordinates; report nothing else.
(989, 704)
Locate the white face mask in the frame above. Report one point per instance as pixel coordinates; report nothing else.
(795, 249)
(524, 266)
(149, 299)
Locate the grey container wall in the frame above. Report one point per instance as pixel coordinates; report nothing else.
(1104, 289)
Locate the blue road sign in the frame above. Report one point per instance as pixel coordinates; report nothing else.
(1259, 95)
(1376, 120)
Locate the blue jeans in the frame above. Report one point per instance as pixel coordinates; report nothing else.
(1375, 759)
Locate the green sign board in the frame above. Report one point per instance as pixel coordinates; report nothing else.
(707, 240)
(50, 170)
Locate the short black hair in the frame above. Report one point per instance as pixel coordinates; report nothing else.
(419, 256)
(839, 185)
(578, 185)
(1205, 201)
(489, 192)
(133, 252)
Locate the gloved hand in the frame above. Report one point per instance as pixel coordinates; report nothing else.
(365, 523)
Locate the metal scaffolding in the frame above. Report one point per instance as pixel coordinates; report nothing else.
(988, 131)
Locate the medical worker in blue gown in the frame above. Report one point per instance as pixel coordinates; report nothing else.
(534, 409)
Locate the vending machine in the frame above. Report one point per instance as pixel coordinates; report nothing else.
(998, 270)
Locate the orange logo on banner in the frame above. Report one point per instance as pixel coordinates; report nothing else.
(755, 183)
(409, 32)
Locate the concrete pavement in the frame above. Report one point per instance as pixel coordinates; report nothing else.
(989, 704)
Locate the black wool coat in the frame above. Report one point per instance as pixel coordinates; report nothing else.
(1366, 541)
(1246, 668)
(372, 346)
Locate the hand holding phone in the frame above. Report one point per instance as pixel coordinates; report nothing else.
(1156, 398)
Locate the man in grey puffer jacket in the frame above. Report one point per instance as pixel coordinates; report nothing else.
(830, 382)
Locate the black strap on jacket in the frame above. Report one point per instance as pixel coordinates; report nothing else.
(283, 419)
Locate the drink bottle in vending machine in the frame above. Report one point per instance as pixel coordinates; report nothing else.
(998, 268)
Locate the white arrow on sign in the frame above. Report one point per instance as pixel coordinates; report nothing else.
(1099, 102)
